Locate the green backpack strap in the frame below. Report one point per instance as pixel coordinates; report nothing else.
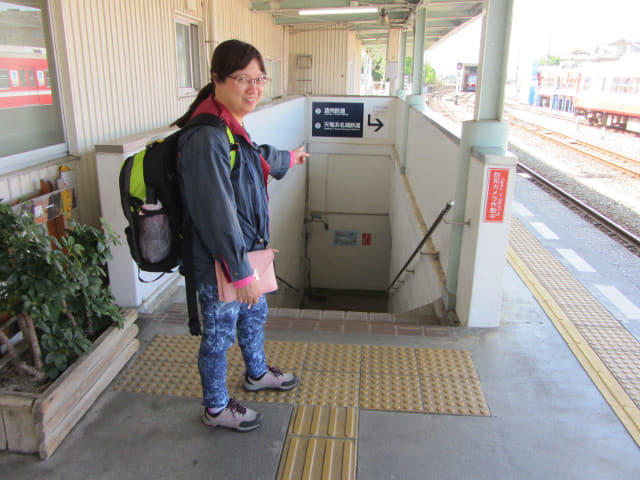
(233, 147)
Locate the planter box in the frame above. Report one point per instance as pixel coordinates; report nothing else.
(37, 423)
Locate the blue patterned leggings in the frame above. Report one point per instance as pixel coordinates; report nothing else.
(220, 321)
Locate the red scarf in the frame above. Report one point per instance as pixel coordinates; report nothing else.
(209, 105)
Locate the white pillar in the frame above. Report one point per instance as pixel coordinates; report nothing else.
(394, 69)
(494, 55)
(486, 130)
(127, 290)
(418, 50)
(485, 241)
(401, 62)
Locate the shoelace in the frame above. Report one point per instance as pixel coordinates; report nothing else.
(236, 407)
(276, 372)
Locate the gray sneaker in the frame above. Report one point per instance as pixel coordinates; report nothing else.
(273, 379)
(234, 417)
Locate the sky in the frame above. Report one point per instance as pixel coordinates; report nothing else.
(542, 27)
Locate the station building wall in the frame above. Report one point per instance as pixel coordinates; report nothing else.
(117, 71)
(335, 61)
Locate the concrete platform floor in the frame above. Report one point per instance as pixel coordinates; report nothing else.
(548, 420)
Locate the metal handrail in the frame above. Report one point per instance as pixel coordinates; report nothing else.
(280, 279)
(437, 221)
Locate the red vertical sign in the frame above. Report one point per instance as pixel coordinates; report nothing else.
(498, 180)
(366, 239)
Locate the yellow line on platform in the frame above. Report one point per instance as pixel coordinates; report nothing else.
(606, 383)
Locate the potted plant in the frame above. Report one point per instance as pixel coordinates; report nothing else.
(58, 294)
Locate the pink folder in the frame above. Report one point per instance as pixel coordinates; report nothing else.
(262, 263)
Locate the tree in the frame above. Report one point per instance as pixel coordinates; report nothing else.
(408, 65)
(428, 72)
(377, 72)
(549, 60)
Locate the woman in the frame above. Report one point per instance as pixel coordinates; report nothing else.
(230, 214)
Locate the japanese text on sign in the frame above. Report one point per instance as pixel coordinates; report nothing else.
(496, 194)
(337, 119)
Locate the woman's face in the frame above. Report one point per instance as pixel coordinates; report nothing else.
(241, 96)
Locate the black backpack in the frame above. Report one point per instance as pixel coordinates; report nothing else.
(158, 233)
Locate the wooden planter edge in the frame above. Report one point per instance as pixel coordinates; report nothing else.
(32, 423)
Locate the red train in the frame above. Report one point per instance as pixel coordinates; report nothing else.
(24, 77)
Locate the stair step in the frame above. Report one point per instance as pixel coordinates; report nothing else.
(315, 315)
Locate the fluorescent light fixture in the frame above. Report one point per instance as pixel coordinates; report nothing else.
(337, 11)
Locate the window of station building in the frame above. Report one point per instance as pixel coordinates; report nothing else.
(276, 80)
(188, 56)
(30, 111)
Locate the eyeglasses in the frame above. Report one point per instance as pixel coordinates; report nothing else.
(244, 81)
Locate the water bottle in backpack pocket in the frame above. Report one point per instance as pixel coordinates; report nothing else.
(154, 232)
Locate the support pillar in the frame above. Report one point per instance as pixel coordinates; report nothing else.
(416, 101)
(393, 66)
(486, 239)
(418, 50)
(401, 62)
(486, 131)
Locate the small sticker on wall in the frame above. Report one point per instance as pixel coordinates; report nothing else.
(345, 238)
(366, 239)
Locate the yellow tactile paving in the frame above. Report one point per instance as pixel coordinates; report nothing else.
(608, 353)
(356, 376)
(321, 444)
(395, 360)
(318, 459)
(336, 382)
(318, 388)
(454, 395)
(152, 377)
(395, 393)
(189, 385)
(286, 355)
(322, 421)
(328, 357)
(445, 363)
(183, 349)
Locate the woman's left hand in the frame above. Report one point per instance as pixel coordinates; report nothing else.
(299, 155)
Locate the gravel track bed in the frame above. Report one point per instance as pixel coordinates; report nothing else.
(613, 193)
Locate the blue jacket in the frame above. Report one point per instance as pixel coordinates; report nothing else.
(229, 209)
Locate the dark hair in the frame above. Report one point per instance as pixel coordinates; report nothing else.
(228, 57)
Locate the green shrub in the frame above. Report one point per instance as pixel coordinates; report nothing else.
(59, 286)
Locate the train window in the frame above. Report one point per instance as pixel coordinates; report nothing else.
(4, 78)
(188, 56)
(30, 112)
(622, 85)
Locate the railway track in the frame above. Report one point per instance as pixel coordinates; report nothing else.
(620, 162)
(599, 154)
(623, 236)
(602, 155)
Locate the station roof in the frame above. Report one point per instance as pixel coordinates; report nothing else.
(372, 27)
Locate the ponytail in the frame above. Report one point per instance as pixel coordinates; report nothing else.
(206, 91)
